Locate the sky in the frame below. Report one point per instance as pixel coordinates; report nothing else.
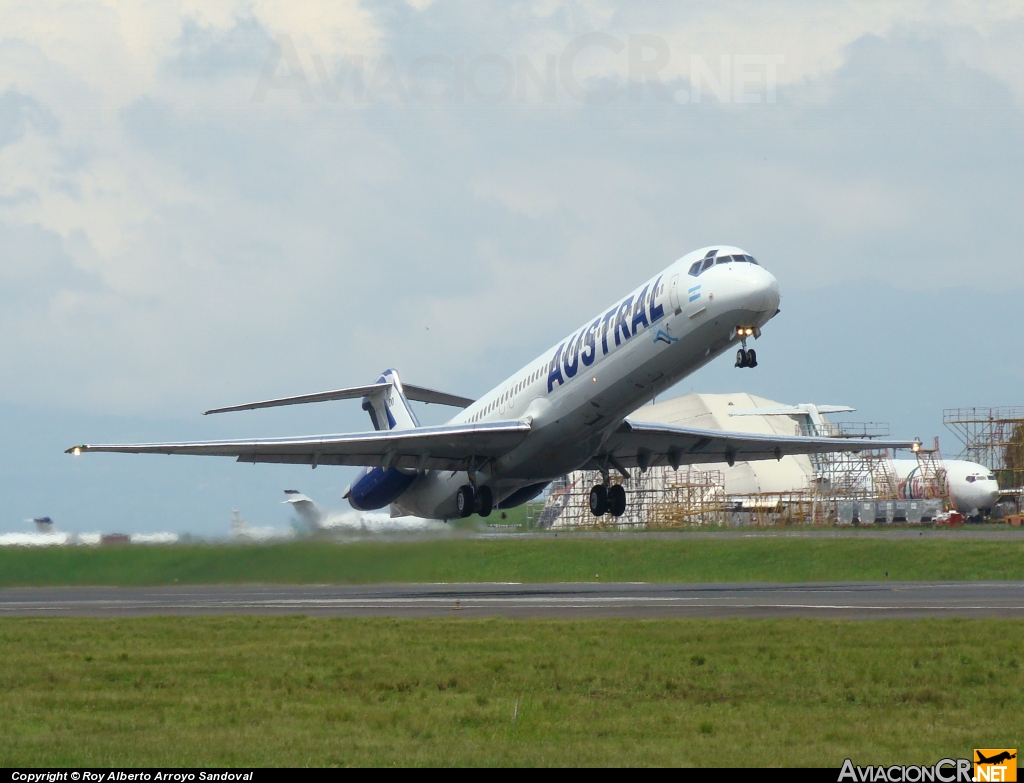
(209, 203)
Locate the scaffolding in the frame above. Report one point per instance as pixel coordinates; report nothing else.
(929, 482)
(660, 497)
(993, 437)
(843, 488)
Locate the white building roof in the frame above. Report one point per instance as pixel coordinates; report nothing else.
(711, 411)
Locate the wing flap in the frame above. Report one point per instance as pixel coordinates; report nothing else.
(444, 447)
(641, 443)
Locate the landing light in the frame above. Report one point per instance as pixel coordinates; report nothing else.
(77, 452)
(916, 447)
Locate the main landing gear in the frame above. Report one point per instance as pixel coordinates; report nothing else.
(746, 357)
(479, 501)
(605, 499)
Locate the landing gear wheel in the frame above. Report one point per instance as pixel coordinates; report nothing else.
(617, 500)
(465, 500)
(751, 358)
(599, 500)
(485, 501)
(741, 358)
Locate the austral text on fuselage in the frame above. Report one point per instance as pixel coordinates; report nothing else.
(624, 321)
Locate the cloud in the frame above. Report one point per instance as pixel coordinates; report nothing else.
(185, 238)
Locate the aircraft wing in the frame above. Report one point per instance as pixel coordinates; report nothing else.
(642, 444)
(444, 447)
(791, 410)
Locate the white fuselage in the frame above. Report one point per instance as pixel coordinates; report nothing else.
(576, 394)
(972, 487)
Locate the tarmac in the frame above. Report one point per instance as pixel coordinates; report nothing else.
(847, 601)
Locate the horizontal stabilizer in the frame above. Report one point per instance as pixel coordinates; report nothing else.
(417, 393)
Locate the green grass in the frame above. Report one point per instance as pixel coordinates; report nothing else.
(309, 691)
(565, 558)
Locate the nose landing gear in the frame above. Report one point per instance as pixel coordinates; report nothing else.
(746, 357)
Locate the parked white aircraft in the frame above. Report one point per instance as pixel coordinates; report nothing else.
(972, 487)
(316, 518)
(566, 410)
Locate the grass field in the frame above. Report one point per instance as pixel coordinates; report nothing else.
(566, 558)
(304, 691)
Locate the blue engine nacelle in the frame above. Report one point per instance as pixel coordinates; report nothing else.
(375, 488)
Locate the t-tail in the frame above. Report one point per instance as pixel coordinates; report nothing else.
(388, 407)
(308, 511)
(389, 410)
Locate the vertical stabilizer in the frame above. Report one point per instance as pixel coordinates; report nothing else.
(308, 511)
(238, 525)
(388, 408)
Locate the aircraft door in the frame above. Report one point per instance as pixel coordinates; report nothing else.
(673, 293)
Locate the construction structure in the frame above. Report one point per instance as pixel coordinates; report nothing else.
(993, 437)
(835, 488)
(660, 497)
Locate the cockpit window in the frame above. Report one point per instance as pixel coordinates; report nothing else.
(971, 479)
(991, 476)
(698, 267)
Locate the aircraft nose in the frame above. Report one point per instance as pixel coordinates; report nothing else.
(990, 498)
(757, 290)
(772, 297)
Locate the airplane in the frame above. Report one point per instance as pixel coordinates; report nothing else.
(566, 410)
(996, 759)
(317, 519)
(973, 488)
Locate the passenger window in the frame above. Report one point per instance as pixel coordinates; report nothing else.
(695, 268)
(708, 263)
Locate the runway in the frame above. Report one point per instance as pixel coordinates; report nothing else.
(851, 601)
